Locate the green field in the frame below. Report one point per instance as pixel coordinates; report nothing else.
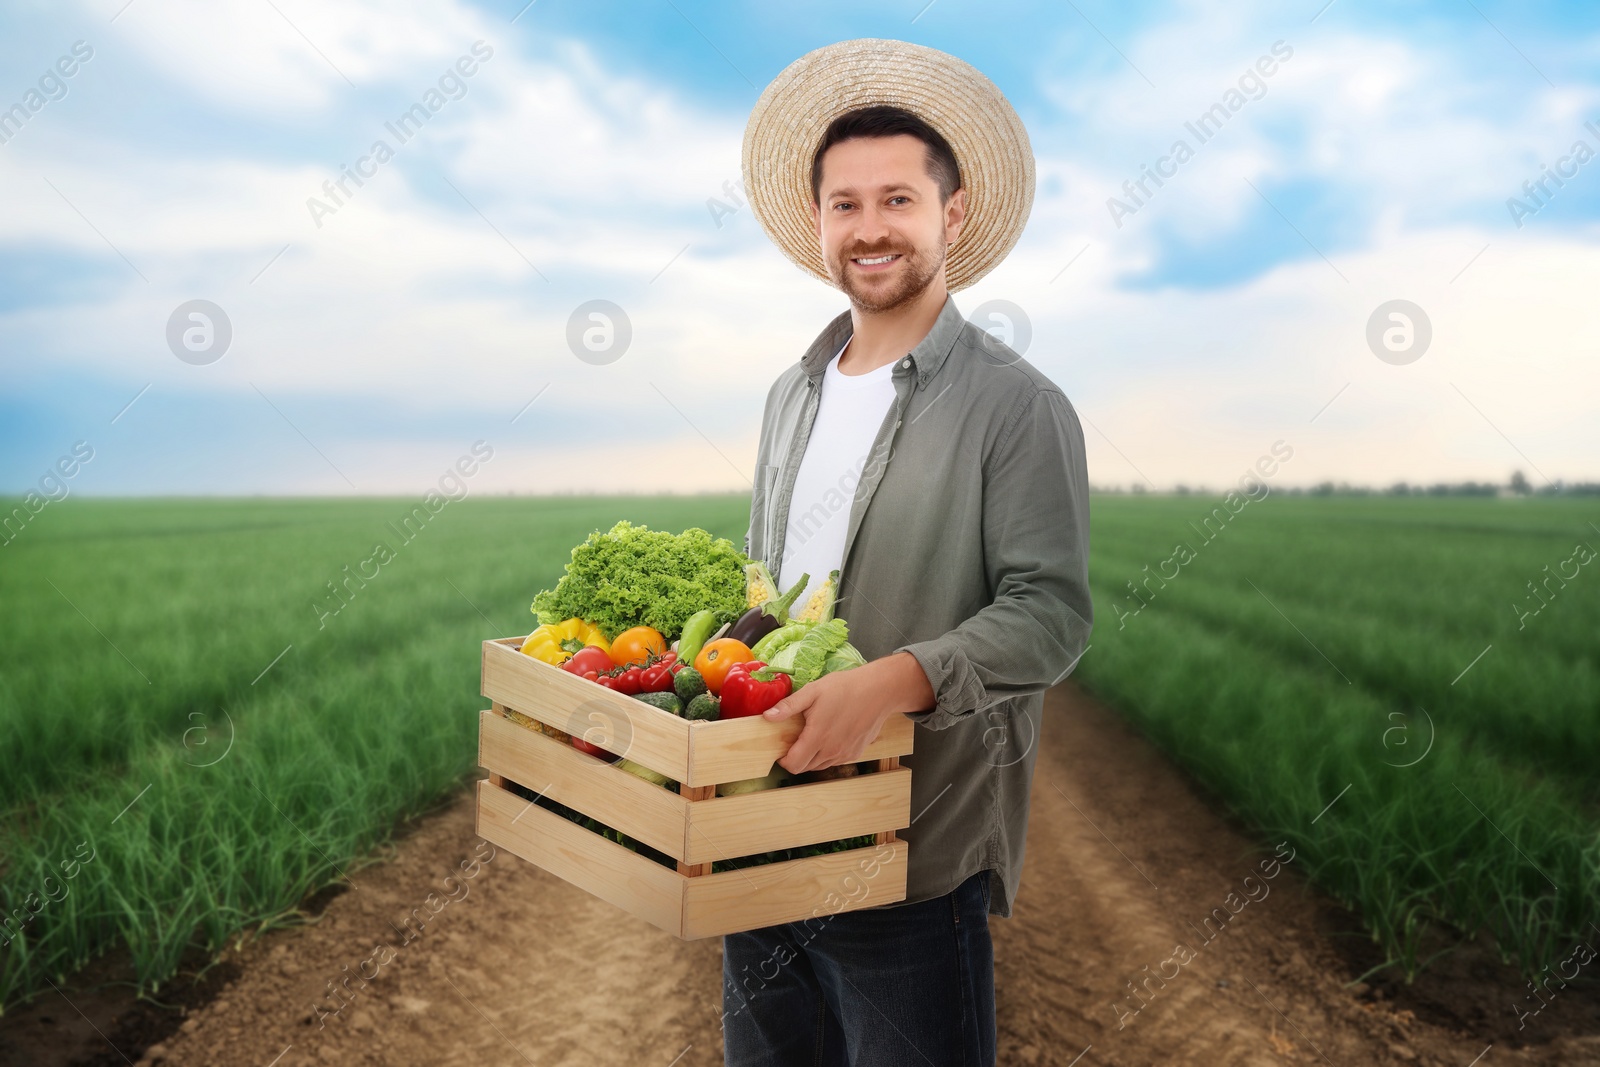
(180, 700)
(1365, 653)
(176, 608)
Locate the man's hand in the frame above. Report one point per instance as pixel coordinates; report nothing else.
(846, 710)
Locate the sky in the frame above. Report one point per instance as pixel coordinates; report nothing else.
(1394, 153)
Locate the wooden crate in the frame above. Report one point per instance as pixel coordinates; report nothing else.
(693, 826)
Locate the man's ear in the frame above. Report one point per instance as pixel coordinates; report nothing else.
(955, 215)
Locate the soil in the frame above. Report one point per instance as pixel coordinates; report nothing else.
(1126, 859)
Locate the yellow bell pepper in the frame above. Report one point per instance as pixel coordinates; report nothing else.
(556, 642)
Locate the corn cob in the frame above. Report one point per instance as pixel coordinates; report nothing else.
(820, 607)
(760, 586)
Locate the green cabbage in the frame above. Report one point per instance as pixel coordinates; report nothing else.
(843, 658)
(816, 649)
(811, 656)
(635, 576)
(807, 650)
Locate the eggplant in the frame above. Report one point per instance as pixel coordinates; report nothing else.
(767, 616)
(753, 625)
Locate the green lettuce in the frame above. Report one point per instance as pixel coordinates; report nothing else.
(634, 576)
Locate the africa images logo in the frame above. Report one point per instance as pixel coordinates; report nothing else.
(450, 86)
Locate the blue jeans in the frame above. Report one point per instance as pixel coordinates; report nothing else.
(910, 985)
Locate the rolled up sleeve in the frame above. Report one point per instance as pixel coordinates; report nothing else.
(1036, 552)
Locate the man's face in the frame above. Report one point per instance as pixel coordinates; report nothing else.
(878, 200)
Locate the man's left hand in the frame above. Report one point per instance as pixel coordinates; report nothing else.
(846, 710)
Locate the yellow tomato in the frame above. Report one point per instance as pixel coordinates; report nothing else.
(719, 655)
(635, 645)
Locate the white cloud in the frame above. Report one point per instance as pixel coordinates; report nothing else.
(294, 54)
(406, 297)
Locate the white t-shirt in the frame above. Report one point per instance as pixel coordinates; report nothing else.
(849, 414)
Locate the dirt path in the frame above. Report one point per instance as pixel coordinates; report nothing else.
(1125, 861)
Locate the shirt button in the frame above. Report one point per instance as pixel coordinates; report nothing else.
(905, 363)
(897, 424)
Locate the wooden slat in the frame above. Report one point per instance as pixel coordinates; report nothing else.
(732, 750)
(640, 809)
(793, 890)
(743, 825)
(494, 779)
(695, 753)
(888, 763)
(647, 735)
(637, 885)
(694, 793)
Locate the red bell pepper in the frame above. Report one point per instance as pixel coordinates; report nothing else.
(743, 695)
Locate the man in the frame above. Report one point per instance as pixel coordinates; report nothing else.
(945, 478)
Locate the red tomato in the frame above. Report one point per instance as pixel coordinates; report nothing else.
(629, 681)
(594, 750)
(588, 658)
(656, 679)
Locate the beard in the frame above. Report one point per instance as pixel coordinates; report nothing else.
(902, 283)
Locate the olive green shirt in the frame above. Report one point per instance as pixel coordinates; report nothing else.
(967, 546)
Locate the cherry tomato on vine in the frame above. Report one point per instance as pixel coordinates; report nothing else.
(656, 679)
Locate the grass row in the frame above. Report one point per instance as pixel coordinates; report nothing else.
(203, 827)
(137, 634)
(1494, 830)
(1509, 694)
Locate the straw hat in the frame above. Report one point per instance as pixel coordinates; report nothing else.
(988, 139)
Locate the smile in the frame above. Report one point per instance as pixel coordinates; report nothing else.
(876, 261)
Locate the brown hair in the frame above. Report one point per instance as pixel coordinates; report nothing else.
(886, 120)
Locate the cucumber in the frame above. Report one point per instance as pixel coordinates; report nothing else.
(704, 706)
(688, 684)
(664, 701)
